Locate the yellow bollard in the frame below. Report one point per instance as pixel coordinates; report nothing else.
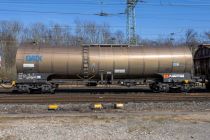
(119, 106)
(97, 106)
(13, 83)
(53, 107)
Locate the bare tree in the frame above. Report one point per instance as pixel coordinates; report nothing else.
(105, 34)
(191, 40)
(207, 35)
(60, 35)
(54, 34)
(119, 37)
(38, 32)
(35, 33)
(9, 31)
(92, 33)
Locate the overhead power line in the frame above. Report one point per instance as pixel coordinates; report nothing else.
(97, 14)
(176, 4)
(60, 13)
(44, 12)
(111, 3)
(60, 3)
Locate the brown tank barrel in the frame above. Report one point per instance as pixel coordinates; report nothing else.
(140, 61)
(58, 60)
(124, 61)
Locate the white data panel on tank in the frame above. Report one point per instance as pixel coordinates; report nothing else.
(119, 71)
(28, 65)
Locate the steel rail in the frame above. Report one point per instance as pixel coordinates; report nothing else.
(91, 98)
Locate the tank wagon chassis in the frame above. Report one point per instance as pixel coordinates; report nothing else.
(33, 82)
(42, 68)
(163, 83)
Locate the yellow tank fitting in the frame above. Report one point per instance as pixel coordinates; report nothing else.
(186, 81)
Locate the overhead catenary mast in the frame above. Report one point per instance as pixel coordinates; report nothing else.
(131, 22)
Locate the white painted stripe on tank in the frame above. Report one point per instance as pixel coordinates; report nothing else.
(119, 71)
(28, 65)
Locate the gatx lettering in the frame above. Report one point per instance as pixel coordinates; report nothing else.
(33, 58)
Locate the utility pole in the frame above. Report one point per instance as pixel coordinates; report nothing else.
(131, 22)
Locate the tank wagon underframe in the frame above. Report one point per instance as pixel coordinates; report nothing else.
(160, 67)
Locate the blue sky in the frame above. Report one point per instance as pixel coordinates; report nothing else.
(154, 18)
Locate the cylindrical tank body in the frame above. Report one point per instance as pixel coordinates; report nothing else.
(122, 62)
(57, 60)
(140, 61)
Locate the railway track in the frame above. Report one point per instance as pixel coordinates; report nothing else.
(91, 98)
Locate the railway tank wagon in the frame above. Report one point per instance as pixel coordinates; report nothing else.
(202, 63)
(160, 67)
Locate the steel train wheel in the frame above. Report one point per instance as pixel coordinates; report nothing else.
(208, 86)
(155, 87)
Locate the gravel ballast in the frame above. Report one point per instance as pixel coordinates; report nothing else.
(144, 121)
